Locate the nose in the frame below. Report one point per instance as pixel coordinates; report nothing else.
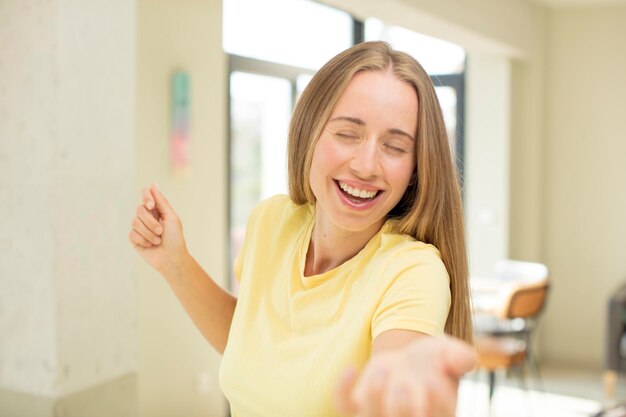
(364, 162)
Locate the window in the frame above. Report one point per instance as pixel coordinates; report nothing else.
(286, 31)
(435, 55)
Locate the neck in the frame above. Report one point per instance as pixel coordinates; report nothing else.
(331, 246)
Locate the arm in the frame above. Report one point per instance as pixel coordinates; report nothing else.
(210, 307)
(394, 339)
(408, 374)
(157, 235)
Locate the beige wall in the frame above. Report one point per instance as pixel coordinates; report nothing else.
(181, 35)
(585, 181)
(511, 28)
(527, 158)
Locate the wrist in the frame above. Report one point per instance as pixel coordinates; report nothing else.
(176, 268)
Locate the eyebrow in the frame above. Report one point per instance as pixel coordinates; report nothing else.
(362, 123)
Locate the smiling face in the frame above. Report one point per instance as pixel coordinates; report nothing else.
(365, 156)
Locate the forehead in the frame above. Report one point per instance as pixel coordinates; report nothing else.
(380, 99)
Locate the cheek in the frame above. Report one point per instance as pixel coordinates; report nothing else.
(317, 171)
(325, 156)
(402, 178)
(402, 172)
(410, 171)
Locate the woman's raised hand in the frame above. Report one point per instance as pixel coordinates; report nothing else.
(419, 380)
(157, 232)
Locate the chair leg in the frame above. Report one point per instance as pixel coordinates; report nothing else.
(519, 369)
(537, 372)
(492, 383)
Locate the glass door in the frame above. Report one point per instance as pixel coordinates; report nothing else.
(260, 107)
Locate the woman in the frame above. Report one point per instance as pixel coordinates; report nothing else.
(362, 261)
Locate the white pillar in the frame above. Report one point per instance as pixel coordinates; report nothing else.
(487, 138)
(67, 109)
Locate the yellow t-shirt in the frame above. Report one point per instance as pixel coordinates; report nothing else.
(291, 335)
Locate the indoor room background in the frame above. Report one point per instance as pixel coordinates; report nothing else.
(87, 328)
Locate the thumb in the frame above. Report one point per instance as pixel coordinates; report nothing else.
(459, 357)
(162, 205)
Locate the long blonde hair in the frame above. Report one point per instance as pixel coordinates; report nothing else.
(431, 209)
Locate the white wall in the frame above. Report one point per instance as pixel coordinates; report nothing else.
(67, 308)
(28, 100)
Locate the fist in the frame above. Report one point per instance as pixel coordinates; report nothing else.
(157, 233)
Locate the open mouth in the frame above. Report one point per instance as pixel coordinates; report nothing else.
(356, 195)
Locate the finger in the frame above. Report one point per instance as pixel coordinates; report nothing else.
(149, 221)
(441, 396)
(162, 204)
(432, 397)
(141, 228)
(399, 401)
(374, 401)
(148, 200)
(459, 357)
(137, 240)
(360, 391)
(150, 203)
(343, 392)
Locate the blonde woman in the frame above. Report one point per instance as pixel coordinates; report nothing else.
(343, 281)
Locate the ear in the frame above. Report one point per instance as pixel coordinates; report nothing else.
(413, 179)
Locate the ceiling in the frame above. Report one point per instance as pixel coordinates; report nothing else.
(578, 3)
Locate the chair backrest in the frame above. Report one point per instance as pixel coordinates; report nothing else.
(512, 270)
(527, 301)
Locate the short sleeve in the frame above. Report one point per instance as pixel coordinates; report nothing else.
(264, 213)
(238, 262)
(418, 298)
(242, 254)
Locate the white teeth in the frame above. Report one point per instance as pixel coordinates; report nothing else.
(356, 192)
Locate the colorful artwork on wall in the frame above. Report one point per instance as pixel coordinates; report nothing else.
(180, 156)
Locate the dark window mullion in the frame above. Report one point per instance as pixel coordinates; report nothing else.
(456, 81)
(358, 31)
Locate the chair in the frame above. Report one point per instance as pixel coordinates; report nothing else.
(503, 337)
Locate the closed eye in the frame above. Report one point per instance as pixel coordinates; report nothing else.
(395, 149)
(350, 135)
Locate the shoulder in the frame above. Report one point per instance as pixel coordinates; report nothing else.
(414, 286)
(278, 203)
(401, 254)
(277, 211)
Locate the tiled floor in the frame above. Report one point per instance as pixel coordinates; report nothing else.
(569, 392)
